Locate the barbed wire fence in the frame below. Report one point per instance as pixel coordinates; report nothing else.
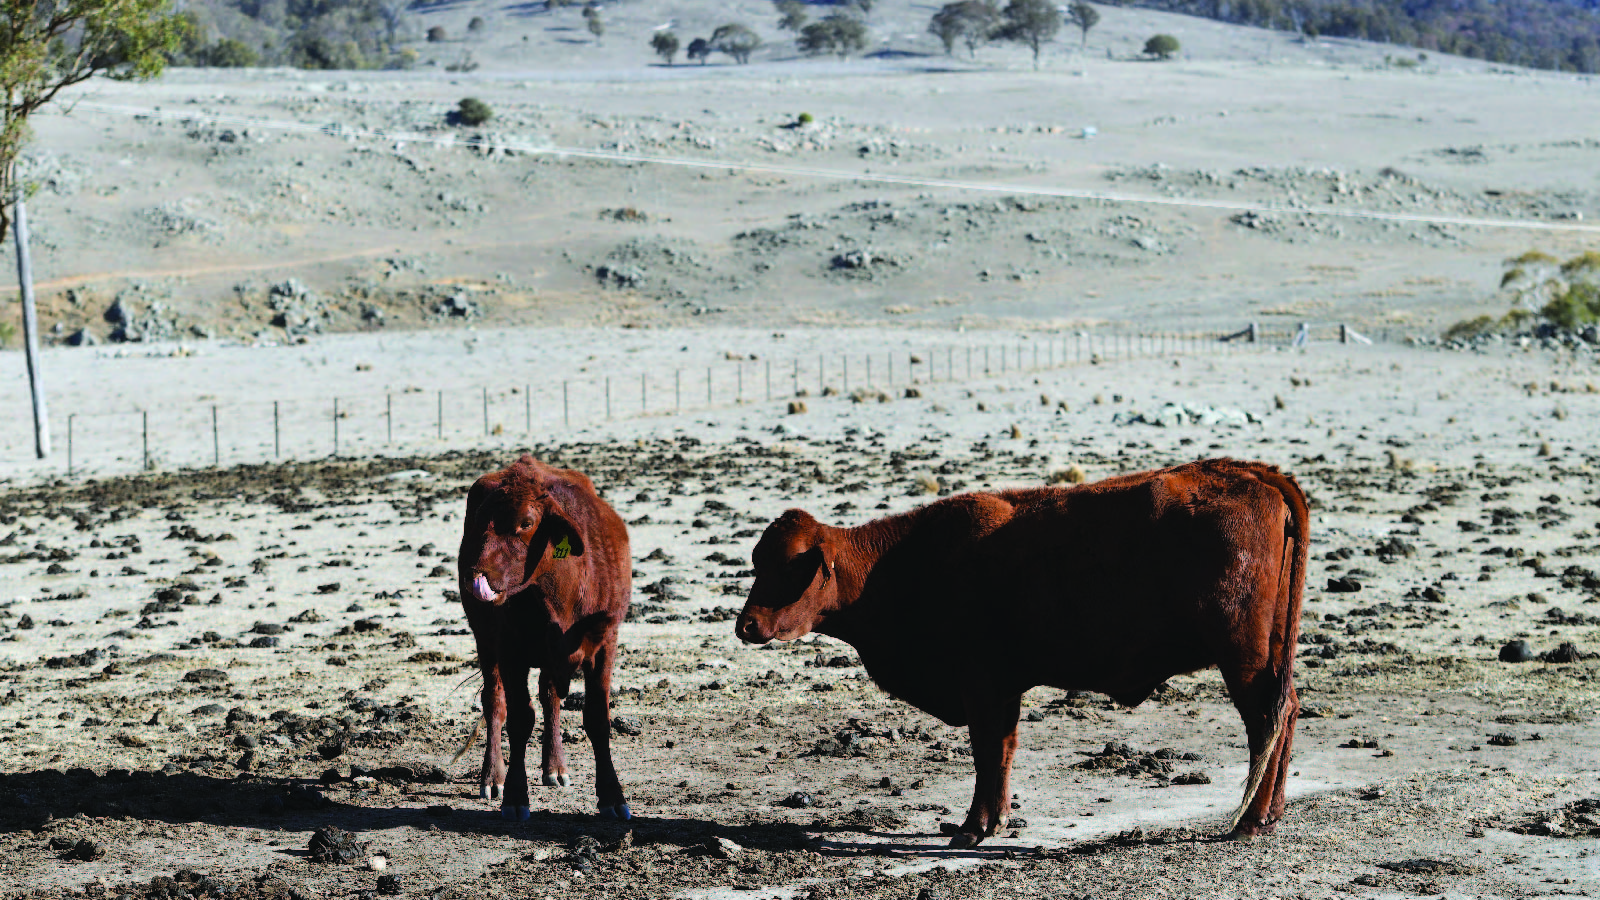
(416, 420)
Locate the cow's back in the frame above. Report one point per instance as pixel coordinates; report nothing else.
(1100, 587)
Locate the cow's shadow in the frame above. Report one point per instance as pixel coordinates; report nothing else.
(49, 800)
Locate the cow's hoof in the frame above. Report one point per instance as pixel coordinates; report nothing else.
(1246, 831)
(516, 813)
(562, 780)
(620, 811)
(963, 840)
(491, 791)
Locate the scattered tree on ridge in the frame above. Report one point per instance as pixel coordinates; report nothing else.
(736, 40)
(968, 21)
(665, 44)
(1032, 23)
(838, 33)
(1161, 46)
(792, 15)
(700, 49)
(1084, 16)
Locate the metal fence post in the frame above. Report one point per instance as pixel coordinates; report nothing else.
(336, 426)
(69, 441)
(388, 416)
(274, 434)
(145, 433)
(216, 442)
(441, 415)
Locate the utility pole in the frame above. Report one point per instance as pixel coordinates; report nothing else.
(30, 329)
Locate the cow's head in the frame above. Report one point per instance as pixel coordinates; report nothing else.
(513, 518)
(795, 587)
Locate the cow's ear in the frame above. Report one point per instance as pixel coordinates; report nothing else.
(557, 527)
(475, 500)
(825, 550)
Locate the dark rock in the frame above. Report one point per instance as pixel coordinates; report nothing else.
(331, 844)
(389, 885)
(629, 725)
(84, 850)
(798, 800)
(206, 676)
(1566, 653)
(1344, 585)
(1516, 651)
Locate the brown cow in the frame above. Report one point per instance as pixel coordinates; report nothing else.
(545, 578)
(961, 606)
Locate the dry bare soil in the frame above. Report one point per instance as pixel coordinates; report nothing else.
(205, 666)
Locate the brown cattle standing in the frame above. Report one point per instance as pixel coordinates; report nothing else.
(545, 578)
(961, 606)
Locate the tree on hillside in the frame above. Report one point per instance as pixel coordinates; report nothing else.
(1032, 23)
(968, 21)
(1161, 46)
(1084, 16)
(591, 15)
(665, 44)
(838, 33)
(792, 15)
(700, 49)
(46, 47)
(736, 40)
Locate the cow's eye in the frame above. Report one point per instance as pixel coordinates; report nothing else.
(525, 525)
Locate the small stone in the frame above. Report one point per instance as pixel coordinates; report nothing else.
(627, 725)
(1344, 585)
(798, 800)
(389, 885)
(722, 848)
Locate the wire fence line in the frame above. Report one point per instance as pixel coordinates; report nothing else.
(415, 419)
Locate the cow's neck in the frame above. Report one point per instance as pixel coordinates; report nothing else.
(860, 550)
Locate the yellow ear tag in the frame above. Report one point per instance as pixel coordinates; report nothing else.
(563, 549)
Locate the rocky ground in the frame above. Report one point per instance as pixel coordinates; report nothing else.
(205, 667)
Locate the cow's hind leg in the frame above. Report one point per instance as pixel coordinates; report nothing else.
(597, 724)
(492, 778)
(553, 759)
(992, 729)
(519, 724)
(1269, 708)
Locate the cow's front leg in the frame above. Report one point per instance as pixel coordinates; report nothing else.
(992, 728)
(519, 725)
(492, 778)
(554, 757)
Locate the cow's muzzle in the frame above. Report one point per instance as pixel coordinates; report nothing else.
(751, 631)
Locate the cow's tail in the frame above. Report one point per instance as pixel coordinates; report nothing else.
(472, 739)
(1291, 593)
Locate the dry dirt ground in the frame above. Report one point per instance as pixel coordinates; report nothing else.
(205, 666)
